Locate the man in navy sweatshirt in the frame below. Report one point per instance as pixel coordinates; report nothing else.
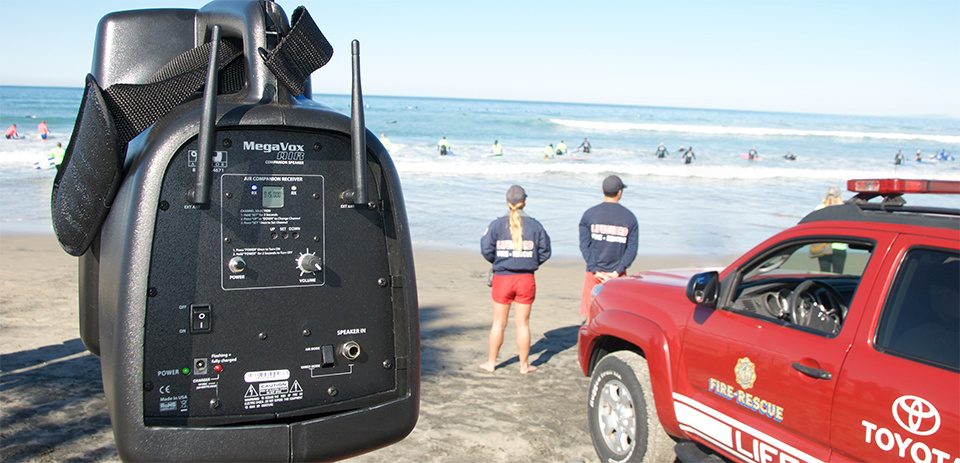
(609, 238)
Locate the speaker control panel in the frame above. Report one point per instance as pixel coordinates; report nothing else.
(272, 231)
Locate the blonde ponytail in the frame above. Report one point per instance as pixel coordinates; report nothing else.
(516, 226)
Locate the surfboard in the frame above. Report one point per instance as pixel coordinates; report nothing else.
(43, 164)
(747, 157)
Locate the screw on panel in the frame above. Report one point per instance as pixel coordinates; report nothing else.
(372, 205)
(306, 332)
(317, 146)
(387, 364)
(214, 403)
(262, 336)
(228, 195)
(316, 196)
(332, 391)
(164, 205)
(226, 240)
(148, 386)
(227, 143)
(383, 282)
(151, 292)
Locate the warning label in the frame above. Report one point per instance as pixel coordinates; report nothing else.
(265, 395)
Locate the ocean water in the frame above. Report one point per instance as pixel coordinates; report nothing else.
(720, 205)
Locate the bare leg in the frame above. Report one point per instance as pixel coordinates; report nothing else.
(500, 313)
(521, 316)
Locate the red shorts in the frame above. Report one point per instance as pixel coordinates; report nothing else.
(520, 288)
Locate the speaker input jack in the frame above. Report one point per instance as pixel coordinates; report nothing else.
(350, 350)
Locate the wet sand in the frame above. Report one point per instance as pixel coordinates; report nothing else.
(52, 407)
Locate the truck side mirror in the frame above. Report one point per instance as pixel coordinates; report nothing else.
(704, 288)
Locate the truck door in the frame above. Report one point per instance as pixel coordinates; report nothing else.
(760, 384)
(898, 397)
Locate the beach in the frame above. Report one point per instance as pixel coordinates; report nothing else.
(52, 407)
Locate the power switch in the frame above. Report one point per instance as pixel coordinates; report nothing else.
(327, 356)
(200, 319)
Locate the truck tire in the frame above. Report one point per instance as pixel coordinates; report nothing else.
(623, 418)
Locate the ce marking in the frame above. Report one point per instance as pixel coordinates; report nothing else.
(164, 389)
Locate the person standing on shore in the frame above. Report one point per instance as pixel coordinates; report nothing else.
(609, 239)
(516, 244)
(831, 256)
(385, 141)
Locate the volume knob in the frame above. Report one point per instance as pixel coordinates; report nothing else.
(308, 263)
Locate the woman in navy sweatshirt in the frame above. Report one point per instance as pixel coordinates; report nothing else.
(516, 245)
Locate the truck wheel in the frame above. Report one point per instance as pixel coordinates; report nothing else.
(621, 412)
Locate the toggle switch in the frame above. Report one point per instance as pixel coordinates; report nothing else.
(327, 356)
(200, 318)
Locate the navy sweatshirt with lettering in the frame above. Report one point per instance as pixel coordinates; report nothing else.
(609, 238)
(496, 245)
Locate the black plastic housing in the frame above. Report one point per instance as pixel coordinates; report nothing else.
(161, 262)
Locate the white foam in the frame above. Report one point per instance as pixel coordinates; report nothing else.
(600, 126)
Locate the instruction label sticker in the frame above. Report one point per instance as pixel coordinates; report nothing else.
(267, 394)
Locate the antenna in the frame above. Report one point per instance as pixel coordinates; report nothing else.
(358, 135)
(200, 193)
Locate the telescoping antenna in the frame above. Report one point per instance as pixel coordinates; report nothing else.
(358, 132)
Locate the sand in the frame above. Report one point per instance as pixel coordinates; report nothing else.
(52, 407)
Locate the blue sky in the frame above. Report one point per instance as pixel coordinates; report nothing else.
(839, 57)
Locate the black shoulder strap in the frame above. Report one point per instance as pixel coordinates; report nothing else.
(299, 53)
(92, 167)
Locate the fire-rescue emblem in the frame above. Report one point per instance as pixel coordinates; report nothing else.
(746, 373)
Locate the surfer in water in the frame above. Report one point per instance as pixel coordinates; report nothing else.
(752, 154)
(548, 152)
(898, 159)
(561, 148)
(688, 156)
(790, 156)
(661, 151)
(496, 150)
(443, 146)
(585, 146)
(57, 154)
(12, 133)
(44, 131)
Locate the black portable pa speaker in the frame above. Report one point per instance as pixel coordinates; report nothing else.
(246, 272)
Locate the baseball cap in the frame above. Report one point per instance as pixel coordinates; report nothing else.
(833, 190)
(516, 195)
(612, 184)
